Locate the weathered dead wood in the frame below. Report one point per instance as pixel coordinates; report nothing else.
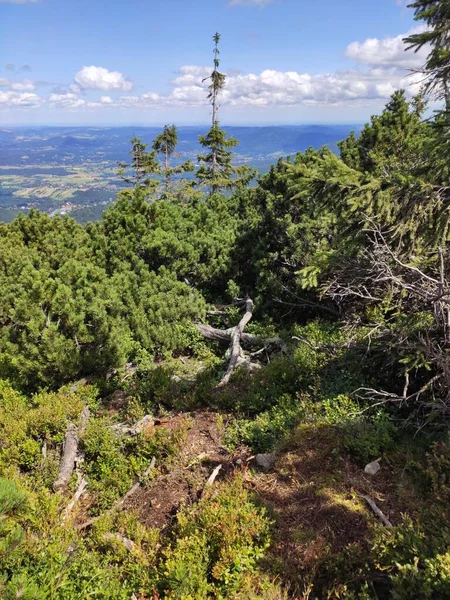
(70, 450)
(377, 511)
(235, 346)
(119, 504)
(238, 339)
(131, 491)
(212, 477)
(136, 429)
(83, 381)
(116, 537)
(80, 491)
(224, 335)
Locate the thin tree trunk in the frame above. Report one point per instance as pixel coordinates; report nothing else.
(166, 171)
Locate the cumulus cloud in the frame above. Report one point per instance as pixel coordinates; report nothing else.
(73, 87)
(99, 78)
(68, 100)
(384, 68)
(26, 85)
(191, 74)
(287, 88)
(388, 51)
(16, 99)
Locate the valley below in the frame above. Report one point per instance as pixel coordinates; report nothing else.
(73, 170)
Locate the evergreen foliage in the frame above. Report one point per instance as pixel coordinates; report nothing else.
(217, 170)
(165, 144)
(143, 164)
(436, 15)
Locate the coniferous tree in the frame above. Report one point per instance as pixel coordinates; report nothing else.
(217, 169)
(165, 144)
(143, 164)
(436, 14)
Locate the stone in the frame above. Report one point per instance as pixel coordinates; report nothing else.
(265, 460)
(372, 468)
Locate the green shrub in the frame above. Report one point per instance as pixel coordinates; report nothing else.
(218, 543)
(269, 428)
(367, 435)
(113, 462)
(156, 388)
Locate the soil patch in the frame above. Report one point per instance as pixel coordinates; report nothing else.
(181, 483)
(313, 494)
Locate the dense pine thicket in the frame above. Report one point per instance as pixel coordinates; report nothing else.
(346, 259)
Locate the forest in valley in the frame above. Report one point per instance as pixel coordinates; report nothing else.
(231, 388)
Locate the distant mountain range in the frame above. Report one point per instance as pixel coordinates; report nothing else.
(69, 145)
(73, 170)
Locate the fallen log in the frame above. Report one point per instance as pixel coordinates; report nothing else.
(70, 451)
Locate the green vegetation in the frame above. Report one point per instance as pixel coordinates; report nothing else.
(216, 168)
(110, 385)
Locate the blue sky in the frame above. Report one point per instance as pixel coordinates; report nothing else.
(111, 62)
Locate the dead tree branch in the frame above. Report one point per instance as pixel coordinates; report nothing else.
(238, 339)
(136, 429)
(377, 511)
(117, 507)
(80, 491)
(235, 346)
(70, 450)
(212, 477)
(416, 291)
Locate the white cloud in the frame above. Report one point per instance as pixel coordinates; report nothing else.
(14, 99)
(250, 2)
(68, 100)
(26, 85)
(289, 88)
(99, 78)
(388, 51)
(191, 74)
(73, 87)
(385, 67)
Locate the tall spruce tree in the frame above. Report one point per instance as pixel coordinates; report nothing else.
(143, 164)
(165, 144)
(217, 170)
